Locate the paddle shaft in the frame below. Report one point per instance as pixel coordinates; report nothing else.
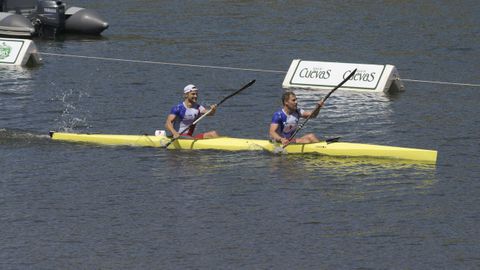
(317, 108)
(209, 111)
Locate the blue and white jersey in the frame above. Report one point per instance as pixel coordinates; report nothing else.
(186, 116)
(287, 124)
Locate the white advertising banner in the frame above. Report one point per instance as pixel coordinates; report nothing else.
(327, 75)
(10, 50)
(17, 51)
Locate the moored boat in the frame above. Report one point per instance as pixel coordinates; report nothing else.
(335, 148)
(47, 18)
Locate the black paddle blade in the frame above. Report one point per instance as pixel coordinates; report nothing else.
(332, 140)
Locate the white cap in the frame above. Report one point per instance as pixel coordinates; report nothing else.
(189, 88)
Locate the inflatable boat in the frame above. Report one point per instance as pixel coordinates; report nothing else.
(47, 18)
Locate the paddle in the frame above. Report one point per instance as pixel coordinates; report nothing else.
(314, 112)
(205, 114)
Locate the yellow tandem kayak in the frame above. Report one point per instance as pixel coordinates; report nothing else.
(345, 149)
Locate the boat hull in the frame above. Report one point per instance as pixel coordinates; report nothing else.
(84, 21)
(344, 149)
(14, 25)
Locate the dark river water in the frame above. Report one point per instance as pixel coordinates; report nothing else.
(78, 206)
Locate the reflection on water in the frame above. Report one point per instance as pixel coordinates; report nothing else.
(15, 87)
(14, 77)
(344, 110)
(16, 94)
(207, 162)
(356, 178)
(70, 37)
(334, 177)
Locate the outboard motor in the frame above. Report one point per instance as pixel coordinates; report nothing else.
(49, 18)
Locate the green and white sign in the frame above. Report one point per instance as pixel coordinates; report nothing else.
(10, 50)
(17, 51)
(5, 50)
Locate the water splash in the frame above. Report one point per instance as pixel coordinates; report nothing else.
(73, 115)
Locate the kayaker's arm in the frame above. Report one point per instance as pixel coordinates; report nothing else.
(314, 113)
(169, 125)
(275, 136)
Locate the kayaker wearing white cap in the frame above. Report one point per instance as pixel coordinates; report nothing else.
(185, 113)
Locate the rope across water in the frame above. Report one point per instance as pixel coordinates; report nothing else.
(226, 68)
